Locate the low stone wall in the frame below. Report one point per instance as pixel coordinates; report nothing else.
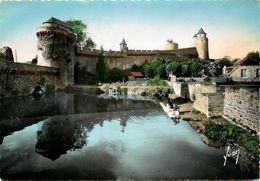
(241, 105)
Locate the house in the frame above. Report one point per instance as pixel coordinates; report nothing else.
(244, 70)
(135, 75)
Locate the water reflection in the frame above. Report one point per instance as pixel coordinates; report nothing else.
(58, 135)
(101, 138)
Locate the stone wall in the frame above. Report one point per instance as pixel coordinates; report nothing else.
(23, 78)
(207, 97)
(210, 104)
(124, 60)
(241, 105)
(215, 104)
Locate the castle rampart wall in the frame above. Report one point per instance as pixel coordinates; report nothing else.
(23, 78)
(87, 58)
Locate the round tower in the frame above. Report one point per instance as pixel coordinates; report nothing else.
(170, 45)
(123, 46)
(56, 40)
(201, 43)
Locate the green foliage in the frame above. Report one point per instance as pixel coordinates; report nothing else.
(254, 55)
(157, 82)
(116, 75)
(230, 133)
(137, 68)
(184, 69)
(79, 28)
(90, 43)
(155, 68)
(194, 111)
(189, 68)
(50, 87)
(124, 91)
(196, 67)
(101, 70)
(42, 81)
(224, 62)
(174, 67)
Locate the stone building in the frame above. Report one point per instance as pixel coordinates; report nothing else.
(244, 70)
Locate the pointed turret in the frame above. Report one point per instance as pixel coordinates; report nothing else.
(201, 44)
(123, 46)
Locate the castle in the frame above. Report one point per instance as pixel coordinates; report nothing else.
(57, 42)
(125, 58)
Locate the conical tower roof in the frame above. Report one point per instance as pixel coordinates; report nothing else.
(201, 31)
(58, 22)
(123, 42)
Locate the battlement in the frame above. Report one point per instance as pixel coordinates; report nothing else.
(11, 68)
(189, 50)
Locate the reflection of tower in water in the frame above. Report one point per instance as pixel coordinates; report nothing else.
(58, 135)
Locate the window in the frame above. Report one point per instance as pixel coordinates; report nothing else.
(257, 72)
(243, 73)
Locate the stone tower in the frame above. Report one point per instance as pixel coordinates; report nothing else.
(201, 43)
(170, 45)
(123, 46)
(56, 40)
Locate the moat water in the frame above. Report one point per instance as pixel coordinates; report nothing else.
(67, 136)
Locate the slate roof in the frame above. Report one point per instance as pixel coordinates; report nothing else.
(58, 22)
(201, 31)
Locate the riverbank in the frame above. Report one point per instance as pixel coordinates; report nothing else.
(248, 161)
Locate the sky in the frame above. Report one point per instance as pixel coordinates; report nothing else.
(232, 26)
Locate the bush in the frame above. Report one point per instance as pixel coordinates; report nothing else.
(157, 82)
(50, 88)
(116, 75)
(230, 133)
(124, 91)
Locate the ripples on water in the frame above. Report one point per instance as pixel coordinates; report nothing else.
(66, 136)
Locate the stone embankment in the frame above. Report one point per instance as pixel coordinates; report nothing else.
(133, 89)
(81, 89)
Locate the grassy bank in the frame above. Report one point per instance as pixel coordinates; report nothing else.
(230, 134)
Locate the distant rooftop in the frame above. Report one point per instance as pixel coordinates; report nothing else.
(58, 22)
(201, 31)
(123, 42)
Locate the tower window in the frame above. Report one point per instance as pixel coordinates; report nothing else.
(243, 73)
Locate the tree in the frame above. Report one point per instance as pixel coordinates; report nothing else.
(101, 67)
(184, 69)
(224, 62)
(116, 75)
(254, 55)
(154, 68)
(79, 28)
(174, 67)
(196, 67)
